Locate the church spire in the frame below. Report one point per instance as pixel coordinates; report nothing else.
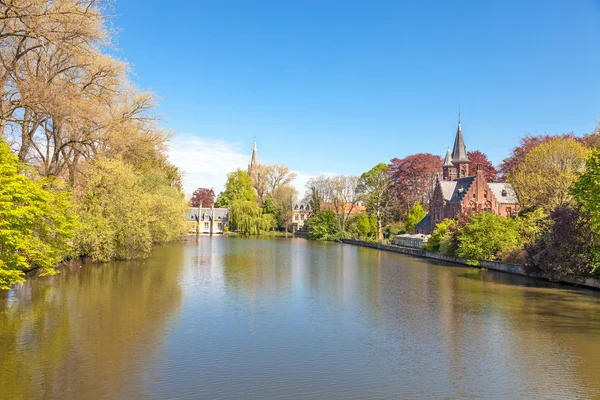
(459, 152)
(254, 159)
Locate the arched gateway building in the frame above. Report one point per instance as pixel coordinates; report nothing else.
(460, 191)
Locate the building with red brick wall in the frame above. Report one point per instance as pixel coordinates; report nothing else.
(461, 191)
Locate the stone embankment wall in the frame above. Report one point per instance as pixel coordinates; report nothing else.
(516, 269)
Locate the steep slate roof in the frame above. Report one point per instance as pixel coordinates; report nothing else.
(461, 188)
(448, 159)
(220, 214)
(510, 196)
(447, 189)
(459, 152)
(424, 222)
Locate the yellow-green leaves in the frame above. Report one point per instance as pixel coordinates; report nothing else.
(36, 222)
(544, 178)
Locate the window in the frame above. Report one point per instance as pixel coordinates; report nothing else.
(206, 225)
(485, 195)
(437, 214)
(508, 212)
(453, 212)
(296, 217)
(220, 226)
(301, 217)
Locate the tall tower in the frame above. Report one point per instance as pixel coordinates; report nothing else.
(459, 153)
(253, 160)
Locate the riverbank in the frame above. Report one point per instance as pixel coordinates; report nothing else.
(514, 269)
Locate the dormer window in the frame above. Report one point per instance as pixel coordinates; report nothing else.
(504, 193)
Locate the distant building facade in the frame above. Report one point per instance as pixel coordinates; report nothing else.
(210, 221)
(300, 215)
(459, 191)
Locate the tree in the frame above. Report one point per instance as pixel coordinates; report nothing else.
(543, 179)
(247, 217)
(324, 225)
(569, 245)
(375, 185)
(238, 187)
(486, 236)
(364, 226)
(586, 189)
(413, 179)
(278, 175)
(284, 197)
(518, 154)
(203, 197)
(477, 157)
(113, 227)
(37, 222)
(415, 215)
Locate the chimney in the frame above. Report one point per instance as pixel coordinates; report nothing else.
(479, 169)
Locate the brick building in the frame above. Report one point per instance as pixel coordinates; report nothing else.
(460, 191)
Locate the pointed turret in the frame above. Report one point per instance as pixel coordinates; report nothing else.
(448, 159)
(459, 152)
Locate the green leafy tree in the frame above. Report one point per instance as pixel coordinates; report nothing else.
(36, 221)
(324, 225)
(238, 187)
(247, 218)
(415, 215)
(485, 236)
(115, 227)
(586, 189)
(375, 184)
(544, 178)
(365, 226)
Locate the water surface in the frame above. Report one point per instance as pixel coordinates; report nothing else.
(234, 318)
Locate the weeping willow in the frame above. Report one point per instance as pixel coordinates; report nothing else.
(247, 218)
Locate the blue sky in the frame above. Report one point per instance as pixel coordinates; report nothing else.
(339, 86)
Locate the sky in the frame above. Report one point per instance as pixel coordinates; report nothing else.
(336, 87)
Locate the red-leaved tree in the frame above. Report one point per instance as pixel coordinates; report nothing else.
(204, 197)
(477, 157)
(413, 178)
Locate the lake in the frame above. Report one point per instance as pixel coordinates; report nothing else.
(238, 318)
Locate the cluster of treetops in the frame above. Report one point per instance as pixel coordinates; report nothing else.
(557, 179)
(83, 167)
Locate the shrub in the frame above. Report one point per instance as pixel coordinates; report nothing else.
(442, 231)
(568, 246)
(485, 236)
(325, 225)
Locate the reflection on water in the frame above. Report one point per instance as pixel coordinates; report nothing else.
(234, 318)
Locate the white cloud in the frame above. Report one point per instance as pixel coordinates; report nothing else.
(205, 162)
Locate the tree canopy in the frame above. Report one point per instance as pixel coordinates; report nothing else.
(37, 221)
(238, 187)
(544, 177)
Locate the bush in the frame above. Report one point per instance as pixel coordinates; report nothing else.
(568, 246)
(325, 225)
(442, 231)
(37, 221)
(485, 236)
